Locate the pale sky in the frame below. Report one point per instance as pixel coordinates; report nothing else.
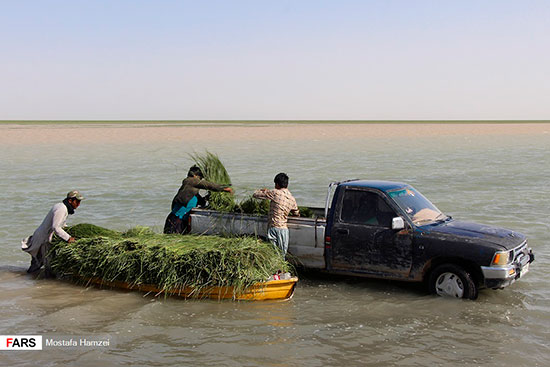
(274, 60)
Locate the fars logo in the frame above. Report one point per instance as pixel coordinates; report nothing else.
(20, 342)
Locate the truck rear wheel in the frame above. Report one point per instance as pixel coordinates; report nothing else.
(450, 280)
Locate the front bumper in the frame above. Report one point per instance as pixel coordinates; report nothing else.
(497, 277)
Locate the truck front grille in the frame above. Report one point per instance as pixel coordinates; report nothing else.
(521, 253)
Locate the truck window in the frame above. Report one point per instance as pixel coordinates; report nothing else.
(417, 207)
(364, 207)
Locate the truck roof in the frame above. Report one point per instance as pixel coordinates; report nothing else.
(380, 185)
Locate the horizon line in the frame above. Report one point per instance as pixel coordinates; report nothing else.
(160, 121)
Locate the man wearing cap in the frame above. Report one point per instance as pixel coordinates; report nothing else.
(38, 245)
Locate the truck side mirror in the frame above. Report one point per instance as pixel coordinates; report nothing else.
(397, 223)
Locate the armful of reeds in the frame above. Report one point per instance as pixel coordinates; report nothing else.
(214, 171)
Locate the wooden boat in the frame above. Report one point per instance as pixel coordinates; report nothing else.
(270, 290)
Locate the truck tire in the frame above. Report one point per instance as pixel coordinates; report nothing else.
(452, 280)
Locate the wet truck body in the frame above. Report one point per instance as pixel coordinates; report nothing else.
(389, 230)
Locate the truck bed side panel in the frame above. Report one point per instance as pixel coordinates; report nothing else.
(306, 235)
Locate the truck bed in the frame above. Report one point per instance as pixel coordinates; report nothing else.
(306, 235)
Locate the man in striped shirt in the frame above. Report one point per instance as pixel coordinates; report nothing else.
(281, 204)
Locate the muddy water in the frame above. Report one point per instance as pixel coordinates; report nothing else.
(494, 178)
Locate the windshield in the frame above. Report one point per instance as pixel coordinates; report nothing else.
(418, 208)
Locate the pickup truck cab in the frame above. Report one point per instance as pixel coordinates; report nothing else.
(389, 230)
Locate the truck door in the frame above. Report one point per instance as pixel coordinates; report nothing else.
(362, 237)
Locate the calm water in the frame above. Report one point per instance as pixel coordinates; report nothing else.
(500, 180)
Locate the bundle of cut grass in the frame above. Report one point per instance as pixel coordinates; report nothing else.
(255, 206)
(214, 171)
(252, 205)
(306, 212)
(169, 262)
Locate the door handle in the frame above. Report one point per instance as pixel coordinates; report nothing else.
(343, 231)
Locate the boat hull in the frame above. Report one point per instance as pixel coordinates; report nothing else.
(270, 290)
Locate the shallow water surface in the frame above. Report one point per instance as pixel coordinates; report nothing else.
(495, 179)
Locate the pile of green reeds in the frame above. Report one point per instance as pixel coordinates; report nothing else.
(252, 205)
(140, 256)
(214, 171)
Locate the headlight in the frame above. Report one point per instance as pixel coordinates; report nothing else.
(502, 258)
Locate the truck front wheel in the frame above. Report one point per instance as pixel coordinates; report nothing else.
(451, 280)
